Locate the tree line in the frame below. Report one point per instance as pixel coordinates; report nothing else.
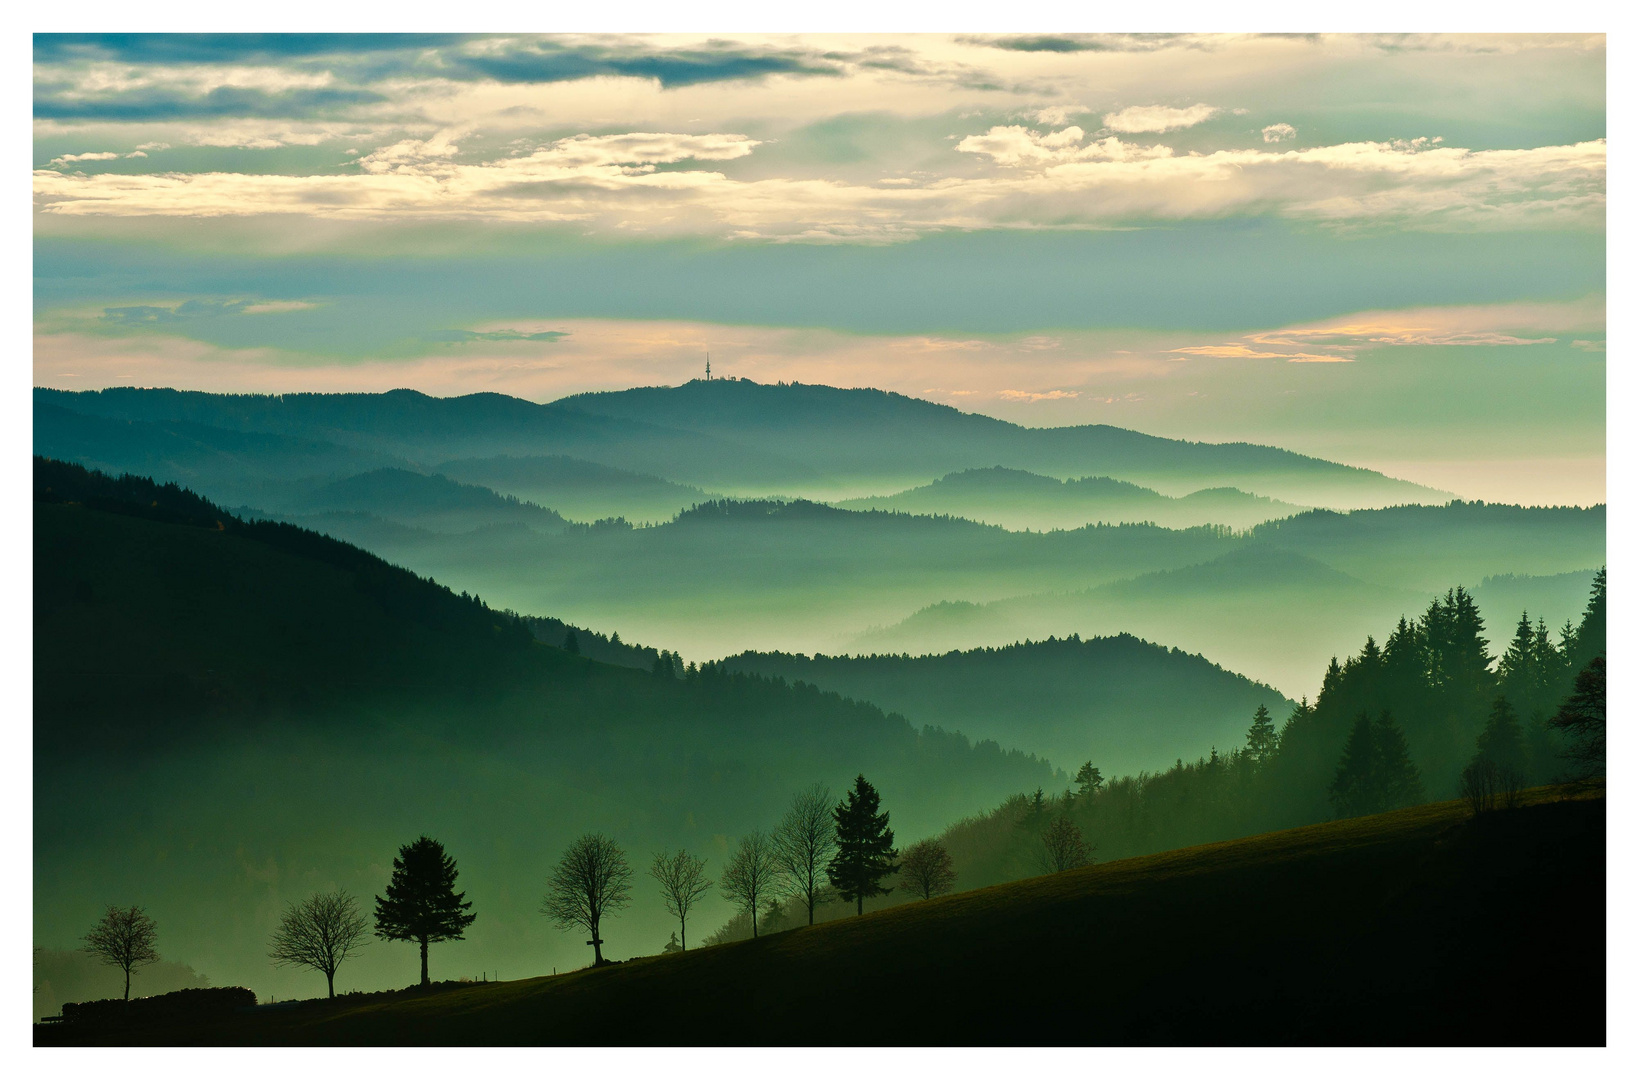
(1429, 713)
(819, 849)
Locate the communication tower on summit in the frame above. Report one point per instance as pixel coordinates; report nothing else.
(708, 367)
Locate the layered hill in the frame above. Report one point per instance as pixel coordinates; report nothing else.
(580, 490)
(873, 434)
(1016, 499)
(229, 714)
(746, 438)
(1290, 938)
(1125, 704)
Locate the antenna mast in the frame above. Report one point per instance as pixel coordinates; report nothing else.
(708, 367)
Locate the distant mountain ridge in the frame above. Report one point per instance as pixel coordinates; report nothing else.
(1017, 499)
(750, 438)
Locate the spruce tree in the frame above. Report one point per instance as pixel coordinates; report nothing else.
(865, 853)
(1401, 784)
(421, 904)
(1260, 738)
(1502, 742)
(1354, 784)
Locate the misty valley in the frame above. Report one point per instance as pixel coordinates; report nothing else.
(678, 642)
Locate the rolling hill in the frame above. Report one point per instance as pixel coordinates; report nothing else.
(1016, 499)
(230, 714)
(749, 439)
(1290, 938)
(1124, 703)
(580, 490)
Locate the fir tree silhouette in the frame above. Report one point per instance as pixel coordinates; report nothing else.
(865, 853)
(421, 904)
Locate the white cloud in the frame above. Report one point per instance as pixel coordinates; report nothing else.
(68, 159)
(1279, 133)
(1034, 396)
(1137, 119)
(1058, 115)
(1056, 179)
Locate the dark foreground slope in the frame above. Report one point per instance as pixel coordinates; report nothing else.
(1423, 926)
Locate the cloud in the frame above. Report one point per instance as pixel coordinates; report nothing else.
(548, 60)
(1491, 325)
(157, 104)
(1279, 132)
(462, 336)
(1058, 115)
(1076, 43)
(1242, 352)
(1137, 119)
(1033, 396)
(1046, 180)
(1589, 346)
(151, 315)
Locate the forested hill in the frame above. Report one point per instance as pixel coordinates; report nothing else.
(1124, 703)
(732, 434)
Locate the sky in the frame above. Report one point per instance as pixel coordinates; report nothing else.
(1384, 250)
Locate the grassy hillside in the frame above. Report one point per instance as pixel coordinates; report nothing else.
(1130, 704)
(1487, 931)
(1016, 499)
(228, 715)
(745, 438)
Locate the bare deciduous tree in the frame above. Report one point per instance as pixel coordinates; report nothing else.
(1063, 847)
(591, 881)
(752, 875)
(804, 844)
(682, 880)
(925, 869)
(124, 939)
(319, 933)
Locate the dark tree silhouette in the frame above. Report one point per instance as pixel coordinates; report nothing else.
(752, 875)
(591, 881)
(319, 933)
(865, 853)
(1376, 772)
(571, 643)
(124, 938)
(925, 869)
(682, 880)
(805, 842)
(1582, 717)
(421, 904)
(1089, 779)
(1260, 737)
(1062, 847)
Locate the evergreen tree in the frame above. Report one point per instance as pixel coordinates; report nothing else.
(421, 904)
(1589, 639)
(1502, 743)
(1261, 738)
(1582, 719)
(571, 643)
(865, 853)
(1402, 785)
(1089, 779)
(1376, 772)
